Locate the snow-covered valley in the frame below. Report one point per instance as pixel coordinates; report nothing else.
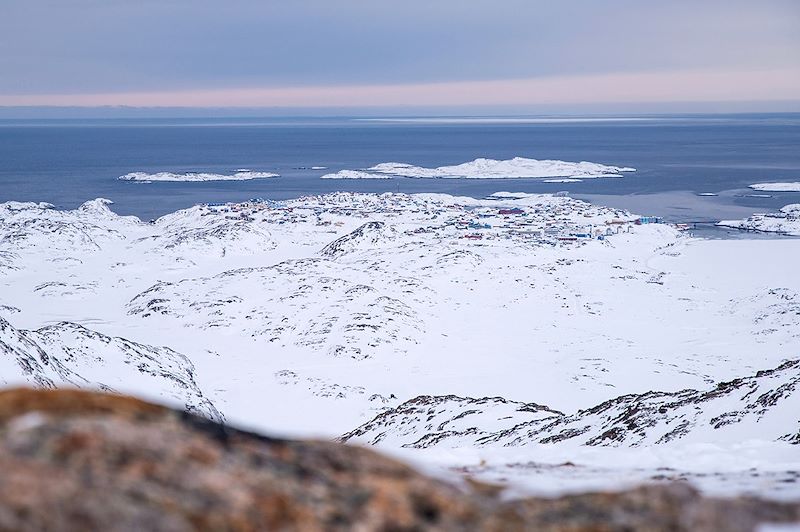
(470, 334)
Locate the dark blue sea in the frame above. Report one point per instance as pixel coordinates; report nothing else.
(66, 162)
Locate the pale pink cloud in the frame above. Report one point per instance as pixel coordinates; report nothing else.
(674, 86)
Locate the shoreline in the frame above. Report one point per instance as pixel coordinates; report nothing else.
(705, 227)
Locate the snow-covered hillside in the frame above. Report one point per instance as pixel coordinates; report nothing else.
(302, 303)
(67, 354)
(765, 404)
(786, 222)
(315, 315)
(427, 421)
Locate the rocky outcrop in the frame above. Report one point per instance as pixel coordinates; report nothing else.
(765, 403)
(427, 420)
(75, 460)
(364, 238)
(70, 355)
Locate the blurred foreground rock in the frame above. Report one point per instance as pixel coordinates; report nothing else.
(75, 460)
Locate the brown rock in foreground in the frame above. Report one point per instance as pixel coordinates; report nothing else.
(74, 460)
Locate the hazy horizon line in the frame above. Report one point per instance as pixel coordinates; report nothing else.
(620, 109)
(728, 87)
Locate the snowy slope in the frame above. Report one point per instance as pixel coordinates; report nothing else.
(301, 303)
(765, 404)
(194, 231)
(72, 355)
(786, 222)
(369, 236)
(25, 226)
(427, 421)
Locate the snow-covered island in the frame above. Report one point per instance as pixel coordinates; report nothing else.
(777, 187)
(239, 175)
(354, 174)
(516, 168)
(786, 222)
(535, 340)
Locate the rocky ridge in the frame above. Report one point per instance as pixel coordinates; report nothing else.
(68, 354)
(765, 403)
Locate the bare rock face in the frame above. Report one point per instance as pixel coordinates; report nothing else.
(76, 460)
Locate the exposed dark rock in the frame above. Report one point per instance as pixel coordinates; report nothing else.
(366, 235)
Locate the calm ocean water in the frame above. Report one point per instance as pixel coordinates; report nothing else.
(67, 162)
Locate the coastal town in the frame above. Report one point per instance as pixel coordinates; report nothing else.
(534, 219)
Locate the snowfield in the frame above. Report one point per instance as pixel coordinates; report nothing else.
(240, 175)
(500, 338)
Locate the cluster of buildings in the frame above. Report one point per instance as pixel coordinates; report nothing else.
(546, 224)
(549, 221)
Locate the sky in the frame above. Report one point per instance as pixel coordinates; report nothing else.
(511, 54)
